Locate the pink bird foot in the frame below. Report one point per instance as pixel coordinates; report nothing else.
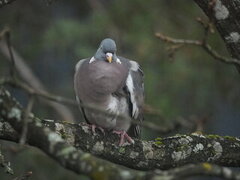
(93, 128)
(123, 136)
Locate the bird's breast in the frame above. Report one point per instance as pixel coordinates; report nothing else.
(96, 81)
(106, 78)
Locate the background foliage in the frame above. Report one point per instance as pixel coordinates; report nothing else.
(53, 38)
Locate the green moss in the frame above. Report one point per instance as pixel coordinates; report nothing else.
(214, 136)
(66, 122)
(230, 138)
(158, 143)
(158, 139)
(122, 150)
(207, 166)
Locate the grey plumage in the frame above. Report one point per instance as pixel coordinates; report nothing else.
(112, 83)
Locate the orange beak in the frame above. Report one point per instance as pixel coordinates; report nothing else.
(109, 57)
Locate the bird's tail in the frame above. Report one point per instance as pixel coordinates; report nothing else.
(134, 131)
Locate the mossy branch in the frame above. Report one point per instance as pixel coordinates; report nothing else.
(65, 142)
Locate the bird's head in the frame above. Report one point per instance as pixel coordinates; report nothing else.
(107, 51)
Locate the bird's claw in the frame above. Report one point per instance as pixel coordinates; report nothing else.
(123, 136)
(94, 127)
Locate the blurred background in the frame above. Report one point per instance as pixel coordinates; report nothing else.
(190, 85)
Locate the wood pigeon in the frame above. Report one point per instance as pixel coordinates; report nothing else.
(113, 84)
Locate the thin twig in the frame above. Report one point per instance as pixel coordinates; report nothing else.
(7, 35)
(169, 39)
(25, 176)
(8, 41)
(205, 46)
(25, 119)
(207, 29)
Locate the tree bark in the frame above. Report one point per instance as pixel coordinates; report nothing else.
(162, 153)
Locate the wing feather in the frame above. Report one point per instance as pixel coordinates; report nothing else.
(77, 68)
(135, 87)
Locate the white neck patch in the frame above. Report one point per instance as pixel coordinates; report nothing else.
(118, 61)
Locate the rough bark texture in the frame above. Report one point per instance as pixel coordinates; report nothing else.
(162, 153)
(225, 14)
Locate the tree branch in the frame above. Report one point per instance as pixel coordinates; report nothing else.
(225, 15)
(7, 35)
(181, 149)
(54, 145)
(163, 153)
(24, 176)
(205, 46)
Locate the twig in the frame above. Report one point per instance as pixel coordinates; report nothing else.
(152, 111)
(199, 123)
(173, 49)
(24, 176)
(207, 29)
(25, 119)
(32, 91)
(12, 66)
(210, 6)
(206, 47)
(177, 41)
(5, 33)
